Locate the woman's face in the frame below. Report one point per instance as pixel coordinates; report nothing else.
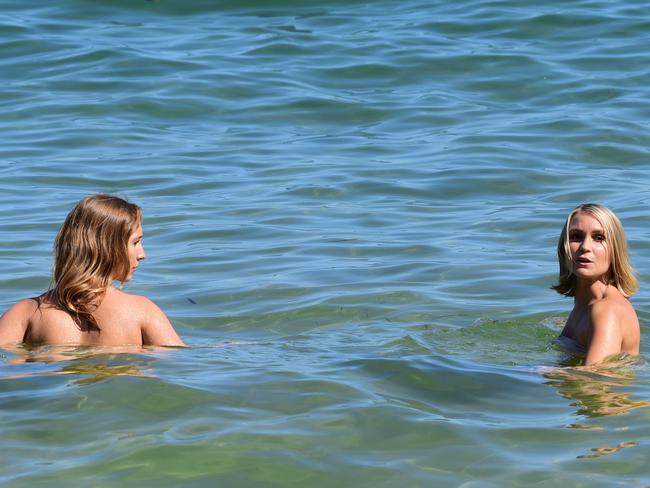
(590, 251)
(136, 251)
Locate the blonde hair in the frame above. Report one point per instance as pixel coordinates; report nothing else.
(620, 275)
(90, 251)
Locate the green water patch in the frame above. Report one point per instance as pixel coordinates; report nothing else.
(506, 342)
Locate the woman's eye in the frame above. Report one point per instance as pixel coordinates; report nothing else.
(599, 237)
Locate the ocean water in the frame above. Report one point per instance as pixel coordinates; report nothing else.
(351, 212)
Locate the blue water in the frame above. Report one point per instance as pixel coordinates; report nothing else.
(351, 212)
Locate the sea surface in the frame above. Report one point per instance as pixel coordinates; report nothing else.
(351, 215)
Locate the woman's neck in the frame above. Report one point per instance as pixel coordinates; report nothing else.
(588, 292)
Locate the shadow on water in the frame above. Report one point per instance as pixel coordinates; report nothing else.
(595, 391)
(92, 364)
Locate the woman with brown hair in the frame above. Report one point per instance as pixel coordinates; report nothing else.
(100, 242)
(595, 270)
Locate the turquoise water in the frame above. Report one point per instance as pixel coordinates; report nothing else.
(351, 212)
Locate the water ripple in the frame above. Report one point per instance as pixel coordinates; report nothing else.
(351, 211)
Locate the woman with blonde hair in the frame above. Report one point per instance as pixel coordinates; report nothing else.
(100, 242)
(595, 270)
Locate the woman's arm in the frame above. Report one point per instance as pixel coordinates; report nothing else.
(606, 336)
(15, 321)
(156, 328)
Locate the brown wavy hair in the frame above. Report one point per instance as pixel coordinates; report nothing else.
(621, 274)
(90, 251)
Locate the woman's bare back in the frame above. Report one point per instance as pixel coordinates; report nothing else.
(122, 319)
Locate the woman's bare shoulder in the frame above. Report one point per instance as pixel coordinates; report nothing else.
(619, 300)
(24, 308)
(14, 323)
(156, 327)
(606, 309)
(613, 310)
(130, 301)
